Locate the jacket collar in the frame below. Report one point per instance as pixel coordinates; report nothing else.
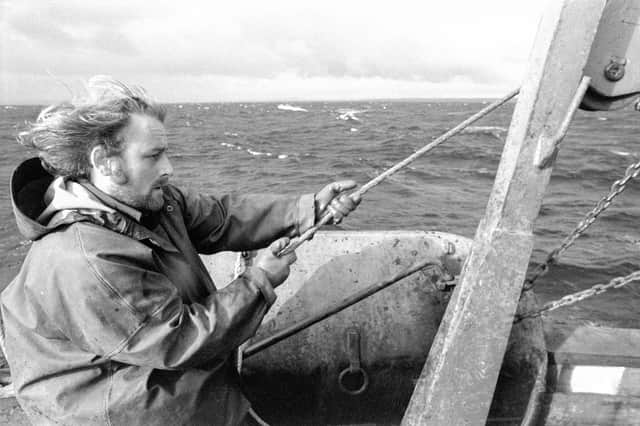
(109, 201)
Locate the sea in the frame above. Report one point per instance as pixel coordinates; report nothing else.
(299, 147)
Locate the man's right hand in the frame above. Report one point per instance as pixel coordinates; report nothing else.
(276, 268)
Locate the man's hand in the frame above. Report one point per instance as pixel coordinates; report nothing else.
(276, 268)
(332, 199)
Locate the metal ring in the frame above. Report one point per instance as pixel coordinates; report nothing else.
(353, 371)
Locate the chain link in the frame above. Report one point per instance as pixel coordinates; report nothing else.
(570, 299)
(616, 189)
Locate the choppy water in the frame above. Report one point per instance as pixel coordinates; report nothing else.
(300, 147)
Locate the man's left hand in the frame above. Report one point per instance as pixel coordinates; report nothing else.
(332, 199)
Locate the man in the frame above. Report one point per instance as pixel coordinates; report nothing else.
(113, 318)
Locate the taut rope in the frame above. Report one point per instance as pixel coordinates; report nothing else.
(296, 242)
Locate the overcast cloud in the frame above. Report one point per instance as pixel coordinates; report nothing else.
(192, 50)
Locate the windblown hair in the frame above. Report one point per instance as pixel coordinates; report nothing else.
(64, 134)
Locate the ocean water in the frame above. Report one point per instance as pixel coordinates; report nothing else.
(295, 148)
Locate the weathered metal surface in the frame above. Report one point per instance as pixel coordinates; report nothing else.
(298, 381)
(614, 61)
(448, 249)
(12, 414)
(459, 378)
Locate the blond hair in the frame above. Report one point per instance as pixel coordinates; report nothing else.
(64, 134)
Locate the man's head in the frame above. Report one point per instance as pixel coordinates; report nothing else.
(113, 136)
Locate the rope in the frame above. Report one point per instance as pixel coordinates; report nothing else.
(257, 418)
(309, 233)
(239, 268)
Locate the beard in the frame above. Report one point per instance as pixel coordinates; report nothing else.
(151, 202)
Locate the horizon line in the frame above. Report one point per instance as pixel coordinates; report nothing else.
(410, 99)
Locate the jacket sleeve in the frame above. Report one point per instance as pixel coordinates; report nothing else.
(178, 336)
(243, 222)
(127, 311)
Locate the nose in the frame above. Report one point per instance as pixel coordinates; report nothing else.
(166, 168)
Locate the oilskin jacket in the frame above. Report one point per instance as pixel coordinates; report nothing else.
(113, 318)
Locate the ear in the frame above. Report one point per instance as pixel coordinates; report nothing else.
(107, 165)
(98, 158)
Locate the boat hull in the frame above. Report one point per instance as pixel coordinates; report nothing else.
(361, 364)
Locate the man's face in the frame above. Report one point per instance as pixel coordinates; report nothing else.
(145, 163)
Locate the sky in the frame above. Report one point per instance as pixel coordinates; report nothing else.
(277, 50)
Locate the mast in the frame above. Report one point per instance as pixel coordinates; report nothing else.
(458, 380)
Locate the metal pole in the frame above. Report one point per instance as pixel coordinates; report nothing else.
(457, 383)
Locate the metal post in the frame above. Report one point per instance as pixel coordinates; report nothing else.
(458, 380)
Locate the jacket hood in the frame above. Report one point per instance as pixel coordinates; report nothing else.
(41, 201)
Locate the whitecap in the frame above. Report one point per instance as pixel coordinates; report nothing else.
(602, 118)
(256, 153)
(347, 114)
(621, 153)
(495, 131)
(230, 145)
(287, 107)
(282, 156)
(353, 129)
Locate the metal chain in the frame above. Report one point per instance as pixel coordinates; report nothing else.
(616, 188)
(570, 299)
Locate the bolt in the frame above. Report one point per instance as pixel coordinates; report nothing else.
(614, 71)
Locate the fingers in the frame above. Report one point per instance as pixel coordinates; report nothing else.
(342, 206)
(290, 258)
(342, 185)
(332, 199)
(278, 245)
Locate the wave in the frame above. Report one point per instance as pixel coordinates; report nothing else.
(253, 152)
(497, 132)
(621, 153)
(348, 114)
(287, 107)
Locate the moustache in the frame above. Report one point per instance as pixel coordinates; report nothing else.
(160, 183)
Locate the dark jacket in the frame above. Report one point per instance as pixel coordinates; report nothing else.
(115, 321)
